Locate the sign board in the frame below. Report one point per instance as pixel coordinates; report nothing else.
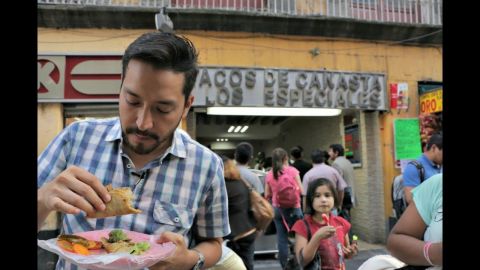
(407, 138)
(399, 96)
(81, 78)
(431, 102)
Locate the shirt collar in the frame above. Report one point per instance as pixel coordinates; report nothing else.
(177, 148)
(431, 162)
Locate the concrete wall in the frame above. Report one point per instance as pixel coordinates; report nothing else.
(368, 219)
(308, 132)
(50, 123)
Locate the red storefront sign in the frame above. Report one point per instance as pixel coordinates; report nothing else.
(74, 77)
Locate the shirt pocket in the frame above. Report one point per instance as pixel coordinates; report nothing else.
(173, 217)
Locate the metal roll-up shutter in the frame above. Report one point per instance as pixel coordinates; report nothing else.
(100, 110)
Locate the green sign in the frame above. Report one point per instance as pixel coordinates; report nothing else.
(407, 138)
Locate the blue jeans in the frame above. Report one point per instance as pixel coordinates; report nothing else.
(291, 215)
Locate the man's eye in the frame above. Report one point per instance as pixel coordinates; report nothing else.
(132, 102)
(164, 110)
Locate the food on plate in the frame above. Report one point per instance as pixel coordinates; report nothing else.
(120, 204)
(77, 244)
(118, 241)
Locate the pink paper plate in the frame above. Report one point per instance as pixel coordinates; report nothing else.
(101, 260)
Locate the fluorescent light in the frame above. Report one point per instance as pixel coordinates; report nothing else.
(230, 129)
(244, 129)
(272, 111)
(237, 128)
(226, 140)
(218, 140)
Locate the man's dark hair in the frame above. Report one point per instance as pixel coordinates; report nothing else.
(243, 152)
(268, 162)
(318, 156)
(337, 148)
(435, 139)
(165, 51)
(296, 152)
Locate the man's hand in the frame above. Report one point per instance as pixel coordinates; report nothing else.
(72, 191)
(182, 259)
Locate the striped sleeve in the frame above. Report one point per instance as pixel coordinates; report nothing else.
(213, 213)
(53, 159)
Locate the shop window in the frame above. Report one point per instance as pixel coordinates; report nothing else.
(352, 138)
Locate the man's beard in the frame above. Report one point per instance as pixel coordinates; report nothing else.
(140, 149)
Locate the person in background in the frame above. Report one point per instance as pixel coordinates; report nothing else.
(345, 168)
(320, 170)
(268, 164)
(242, 221)
(260, 161)
(243, 155)
(329, 237)
(285, 216)
(417, 238)
(142, 149)
(301, 165)
(431, 160)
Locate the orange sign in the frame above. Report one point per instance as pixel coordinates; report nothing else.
(431, 102)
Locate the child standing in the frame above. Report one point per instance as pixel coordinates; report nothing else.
(329, 235)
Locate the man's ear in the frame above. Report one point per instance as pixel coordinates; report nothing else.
(188, 104)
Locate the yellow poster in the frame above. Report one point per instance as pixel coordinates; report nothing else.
(431, 102)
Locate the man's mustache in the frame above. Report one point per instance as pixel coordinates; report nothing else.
(132, 130)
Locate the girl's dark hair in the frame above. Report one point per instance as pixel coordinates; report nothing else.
(165, 51)
(312, 186)
(278, 155)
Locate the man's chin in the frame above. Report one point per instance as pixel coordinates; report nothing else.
(141, 149)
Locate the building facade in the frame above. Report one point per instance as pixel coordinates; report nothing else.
(284, 54)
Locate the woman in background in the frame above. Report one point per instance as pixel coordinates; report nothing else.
(242, 222)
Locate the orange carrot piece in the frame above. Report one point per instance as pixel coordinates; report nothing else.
(80, 249)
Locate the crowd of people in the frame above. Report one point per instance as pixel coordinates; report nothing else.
(296, 198)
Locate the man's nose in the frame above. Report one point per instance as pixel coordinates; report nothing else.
(144, 119)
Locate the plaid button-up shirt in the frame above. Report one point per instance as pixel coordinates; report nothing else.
(186, 182)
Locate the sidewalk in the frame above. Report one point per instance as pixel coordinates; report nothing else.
(366, 250)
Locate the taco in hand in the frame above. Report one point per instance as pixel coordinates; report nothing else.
(120, 204)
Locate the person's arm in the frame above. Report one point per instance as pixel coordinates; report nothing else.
(185, 258)
(340, 199)
(411, 179)
(349, 250)
(268, 191)
(408, 194)
(341, 185)
(404, 241)
(299, 183)
(72, 191)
